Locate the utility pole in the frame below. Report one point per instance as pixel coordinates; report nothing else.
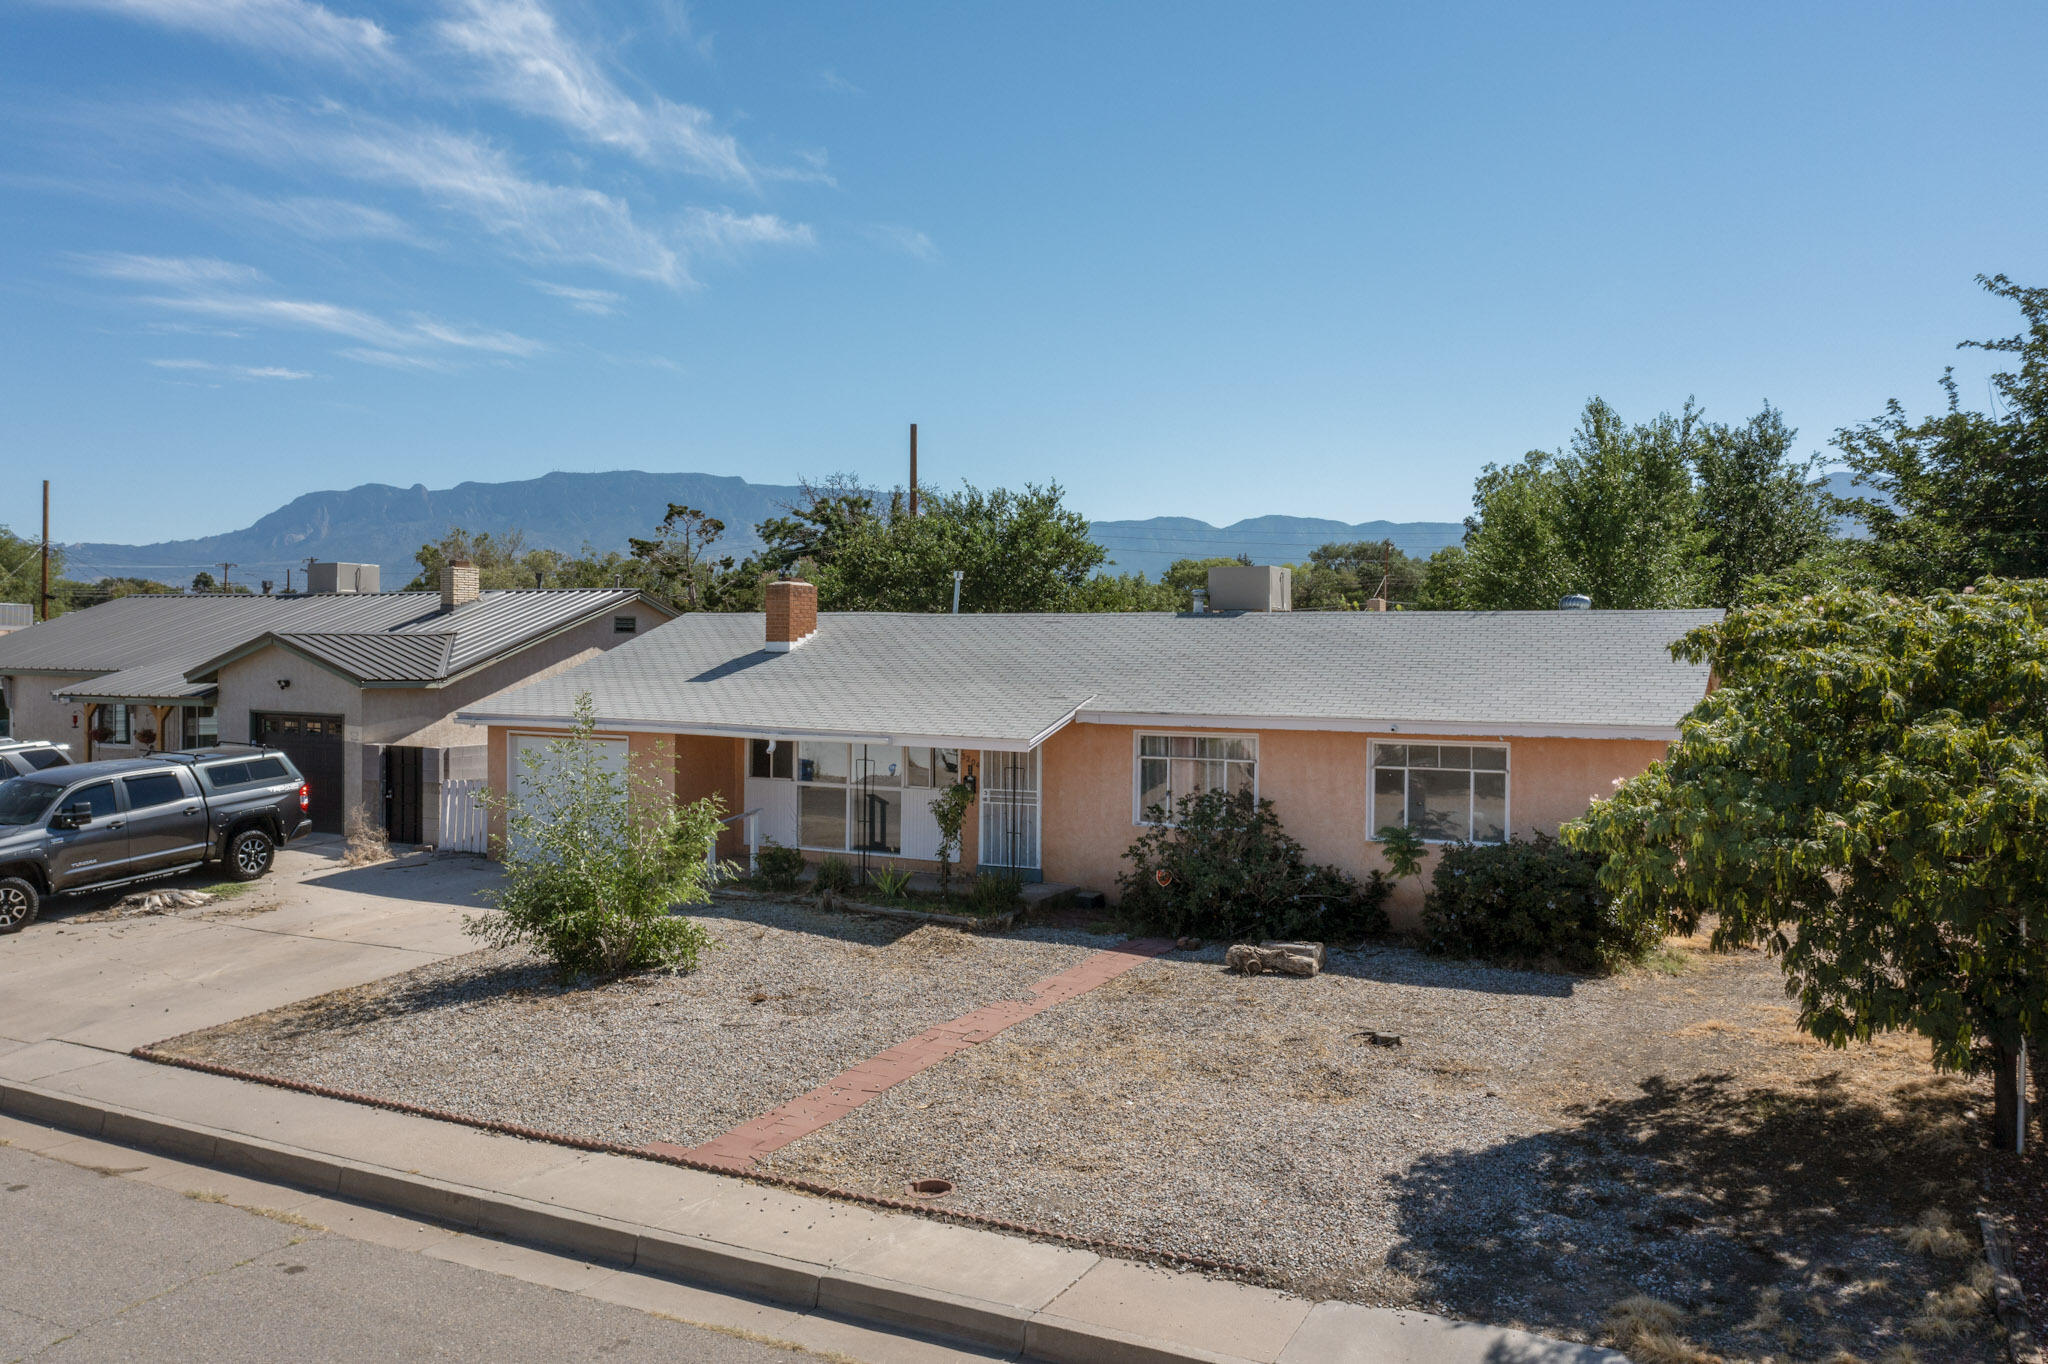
(913, 468)
(46, 549)
(225, 569)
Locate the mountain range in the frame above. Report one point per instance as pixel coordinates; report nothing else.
(378, 523)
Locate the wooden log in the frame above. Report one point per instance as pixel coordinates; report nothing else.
(1253, 961)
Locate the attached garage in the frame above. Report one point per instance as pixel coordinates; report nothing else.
(313, 743)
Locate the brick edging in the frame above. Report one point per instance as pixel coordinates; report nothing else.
(1116, 1249)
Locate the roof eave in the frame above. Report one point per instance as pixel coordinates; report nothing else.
(1367, 725)
(1008, 743)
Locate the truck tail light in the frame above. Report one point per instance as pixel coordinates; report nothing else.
(305, 797)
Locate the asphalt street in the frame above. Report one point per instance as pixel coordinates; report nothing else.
(94, 1267)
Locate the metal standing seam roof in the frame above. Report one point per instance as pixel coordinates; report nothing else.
(1008, 680)
(157, 646)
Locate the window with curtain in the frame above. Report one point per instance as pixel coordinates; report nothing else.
(1448, 793)
(1171, 766)
(199, 727)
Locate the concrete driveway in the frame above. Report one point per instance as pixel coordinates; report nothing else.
(311, 926)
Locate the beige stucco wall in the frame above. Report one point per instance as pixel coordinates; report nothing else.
(1318, 783)
(37, 715)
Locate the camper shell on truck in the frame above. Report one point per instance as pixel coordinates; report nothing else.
(92, 826)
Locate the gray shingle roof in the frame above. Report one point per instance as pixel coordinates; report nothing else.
(154, 647)
(1005, 680)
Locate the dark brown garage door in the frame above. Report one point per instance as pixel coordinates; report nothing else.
(313, 743)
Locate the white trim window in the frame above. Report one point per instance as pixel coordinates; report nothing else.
(1448, 793)
(855, 797)
(1167, 767)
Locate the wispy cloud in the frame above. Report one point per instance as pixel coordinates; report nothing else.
(600, 302)
(369, 355)
(908, 240)
(228, 292)
(319, 218)
(238, 371)
(525, 59)
(724, 231)
(178, 272)
(297, 28)
(458, 173)
(834, 83)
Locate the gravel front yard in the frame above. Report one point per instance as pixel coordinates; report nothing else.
(1536, 1149)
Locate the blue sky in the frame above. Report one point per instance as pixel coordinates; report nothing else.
(1186, 259)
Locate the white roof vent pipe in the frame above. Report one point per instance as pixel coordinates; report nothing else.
(1200, 603)
(958, 574)
(1577, 601)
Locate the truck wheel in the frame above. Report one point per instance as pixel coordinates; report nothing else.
(250, 854)
(18, 904)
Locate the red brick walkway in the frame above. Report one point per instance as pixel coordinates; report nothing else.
(850, 1089)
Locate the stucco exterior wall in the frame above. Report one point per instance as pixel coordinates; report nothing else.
(1319, 786)
(35, 714)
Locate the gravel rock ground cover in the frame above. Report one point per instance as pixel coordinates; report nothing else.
(1537, 1149)
(788, 998)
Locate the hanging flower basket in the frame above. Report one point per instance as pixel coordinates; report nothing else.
(146, 737)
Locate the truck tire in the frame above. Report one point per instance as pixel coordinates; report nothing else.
(250, 854)
(19, 904)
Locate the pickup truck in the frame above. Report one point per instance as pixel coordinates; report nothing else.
(19, 756)
(96, 825)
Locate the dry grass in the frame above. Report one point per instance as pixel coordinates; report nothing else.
(1767, 1317)
(1646, 1330)
(205, 1196)
(1948, 1312)
(1901, 1353)
(367, 843)
(1935, 1234)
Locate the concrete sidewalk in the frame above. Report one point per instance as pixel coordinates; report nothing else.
(75, 997)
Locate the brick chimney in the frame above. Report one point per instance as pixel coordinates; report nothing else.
(792, 614)
(460, 583)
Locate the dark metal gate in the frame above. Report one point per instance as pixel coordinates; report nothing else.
(405, 794)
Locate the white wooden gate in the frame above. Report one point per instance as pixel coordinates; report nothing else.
(465, 824)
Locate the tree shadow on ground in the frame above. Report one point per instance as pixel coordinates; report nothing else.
(1392, 964)
(793, 917)
(1717, 1196)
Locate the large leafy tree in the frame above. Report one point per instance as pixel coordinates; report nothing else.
(1344, 575)
(1864, 793)
(1758, 508)
(1017, 551)
(1611, 516)
(1963, 493)
(679, 555)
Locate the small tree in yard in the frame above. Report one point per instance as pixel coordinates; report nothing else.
(1865, 794)
(594, 860)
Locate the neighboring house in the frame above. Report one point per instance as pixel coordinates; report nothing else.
(840, 728)
(360, 689)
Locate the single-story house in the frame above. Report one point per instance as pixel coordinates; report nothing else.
(838, 729)
(360, 688)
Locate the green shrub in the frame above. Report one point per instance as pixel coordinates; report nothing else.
(893, 882)
(949, 808)
(994, 893)
(593, 861)
(834, 874)
(780, 867)
(1529, 904)
(1226, 869)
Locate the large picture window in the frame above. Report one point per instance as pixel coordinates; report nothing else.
(1448, 793)
(1174, 765)
(852, 797)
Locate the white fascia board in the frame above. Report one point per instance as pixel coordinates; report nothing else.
(999, 743)
(1349, 725)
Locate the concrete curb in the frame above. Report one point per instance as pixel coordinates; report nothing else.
(795, 1284)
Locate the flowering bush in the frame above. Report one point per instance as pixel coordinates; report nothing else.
(1530, 904)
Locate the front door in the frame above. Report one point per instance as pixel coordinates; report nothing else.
(313, 743)
(1009, 813)
(97, 852)
(166, 820)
